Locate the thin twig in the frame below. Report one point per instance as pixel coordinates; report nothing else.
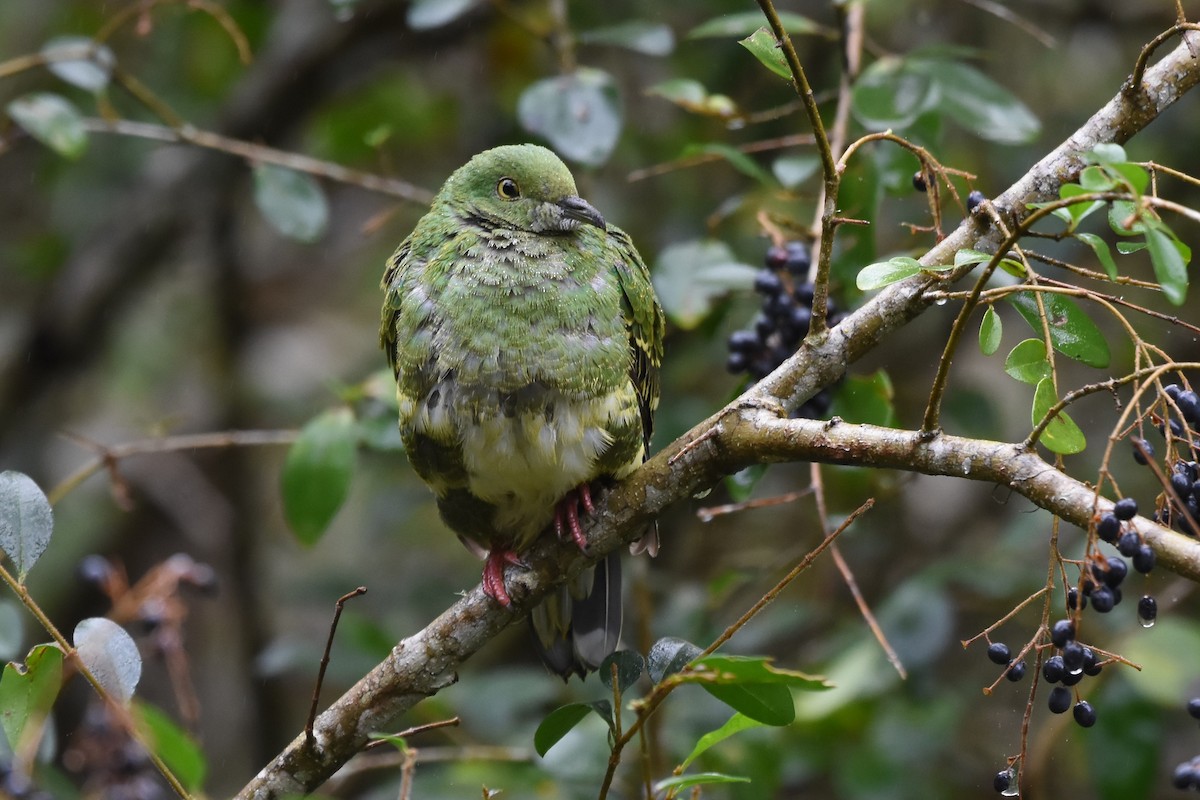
(337, 615)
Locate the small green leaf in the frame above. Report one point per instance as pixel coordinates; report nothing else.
(752, 686)
(317, 473)
(1103, 254)
(578, 113)
(739, 160)
(1133, 175)
(80, 61)
(1106, 153)
(690, 277)
(746, 22)
(698, 779)
(768, 703)
(1027, 361)
(692, 96)
(736, 724)
(172, 744)
(764, 47)
(52, 120)
(754, 669)
(1125, 218)
(1126, 247)
(1170, 266)
(1072, 332)
(423, 15)
(291, 201)
(668, 656)
(27, 693)
(883, 273)
(557, 724)
(791, 171)
(1093, 179)
(110, 655)
(1077, 211)
(969, 256)
(26, 521)
(991, 329)
(393, 739)
(648, 38)
(630, 666)
(1062, 435)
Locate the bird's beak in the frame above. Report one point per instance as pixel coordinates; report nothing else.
(579, 209)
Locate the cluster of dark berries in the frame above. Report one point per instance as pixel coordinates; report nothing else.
(783, 322)
(1181, 510)
(998, 653)
(1187, 774)
(1112, 528)
(1066, 668)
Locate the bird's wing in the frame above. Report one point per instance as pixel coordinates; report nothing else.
(393, 285)
(645, 323)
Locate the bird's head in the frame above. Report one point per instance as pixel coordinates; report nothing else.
(524, 187)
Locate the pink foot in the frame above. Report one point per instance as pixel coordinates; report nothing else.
(493, 574)
(566, 514)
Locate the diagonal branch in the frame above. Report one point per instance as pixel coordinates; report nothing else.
(754, 429)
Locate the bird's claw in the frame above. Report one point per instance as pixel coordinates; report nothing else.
(566, 515)
(493, 574)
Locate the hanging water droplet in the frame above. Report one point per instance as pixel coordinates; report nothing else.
(1147, 623)
(941, 301)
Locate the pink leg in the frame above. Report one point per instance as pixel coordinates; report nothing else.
(493, 574)
(566, 514)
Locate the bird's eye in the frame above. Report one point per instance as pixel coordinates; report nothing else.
(507, 189)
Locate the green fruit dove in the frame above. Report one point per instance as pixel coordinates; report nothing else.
(525, 337)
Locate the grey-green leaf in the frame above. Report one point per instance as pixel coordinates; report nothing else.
(991, 330)
(762, 44)
(52, 120)
(690, 277)
(1027, 361)
(80, 61)
(648, 38)
(746, 22)
(630, 666)
(883, 273)
(26, 521)
(110, 655)
(979, 104)
(579, 114)
(292, 202)
(668, 656)
(736, 724)
(423, 15)
(317, 473)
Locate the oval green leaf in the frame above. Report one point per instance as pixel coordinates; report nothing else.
(292, 202)
(172, 744)
(1170, 265)
(736, 724)
(763, 46)
(699, 779)
(80, 61)
(978, 103)
(26, 521)
(890, 94)
(27, 693)
(768, 703)
(52, 120)
(1027, 361)
(110, 655)
(1072, 332)
(1103, 254)
(579, 114)
(557, 724)
(317, 473)
(1062, 435)
(883, 273)
(991, 330)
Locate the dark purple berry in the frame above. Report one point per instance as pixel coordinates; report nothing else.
(737, 362)
(1117, 570)
(1189, 406)
(1125, 509)
(1129, 543)
(1054, 670)
(744, 342)
(798, 258)
(1074, 600)
(764, 326)
(1003, 778)
(94, 569)
(1072, 678)
(1193, 708)
(800, 318)
(1103, 599)
(1062, 632)
(1108, 528)
(1085, 715)
(1144, 559)
(803, 292)
(767, 283)
(921, 184)
(776, 257)
(1091, 664)
(1147, 609)
(1059, 700)
(974, 200)
(1184, 776)
(1142, 451)
(1016, 671)
(1182, 485)
(1172, 390)
(998, 653)
(1072, 654)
